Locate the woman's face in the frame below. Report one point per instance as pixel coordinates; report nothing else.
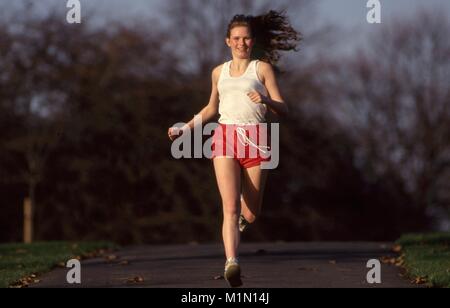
(240, 42)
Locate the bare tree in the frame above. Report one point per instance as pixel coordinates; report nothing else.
(396, 103)
(32, 92)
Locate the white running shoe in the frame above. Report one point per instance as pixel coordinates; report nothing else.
(233, 273)
(243, 223)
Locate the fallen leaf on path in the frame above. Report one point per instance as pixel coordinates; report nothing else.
(136, 279)
(89, 255)
(111, 258)
(396, 248)
(400, 261)
(25, 282)
(420, 280)
(388, 260)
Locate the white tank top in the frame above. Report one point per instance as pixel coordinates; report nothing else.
(235, 107)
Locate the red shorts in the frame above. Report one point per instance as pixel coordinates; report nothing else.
(248, 144)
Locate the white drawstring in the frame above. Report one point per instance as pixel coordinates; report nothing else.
(247, 141)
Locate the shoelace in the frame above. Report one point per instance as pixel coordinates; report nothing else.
(231, 261)
(244, 140)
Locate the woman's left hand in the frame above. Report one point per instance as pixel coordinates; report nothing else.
(257, 97)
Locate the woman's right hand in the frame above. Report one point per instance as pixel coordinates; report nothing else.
(174, 133)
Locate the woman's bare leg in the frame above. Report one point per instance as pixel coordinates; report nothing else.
(228, 175)
(253, 184)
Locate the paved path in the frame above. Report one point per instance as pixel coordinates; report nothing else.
(264, 265)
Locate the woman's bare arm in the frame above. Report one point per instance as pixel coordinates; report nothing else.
(208, 112)
(274, 101)
(212, 109)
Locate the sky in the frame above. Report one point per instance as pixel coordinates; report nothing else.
(342, 12)
(348, 15)
(353, 12)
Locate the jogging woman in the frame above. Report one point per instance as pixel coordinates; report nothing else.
(243, 91)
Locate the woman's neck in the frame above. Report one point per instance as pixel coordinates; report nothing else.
(240, 65)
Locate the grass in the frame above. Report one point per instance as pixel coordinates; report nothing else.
(22, 260)
(427, 257)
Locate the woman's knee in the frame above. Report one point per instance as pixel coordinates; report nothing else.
(231, 208)
(250, 217)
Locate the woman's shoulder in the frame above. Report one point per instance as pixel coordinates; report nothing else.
(264, 66)
(218, 70)
(219, 67)
(263, 70)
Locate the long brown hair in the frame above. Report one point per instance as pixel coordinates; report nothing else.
(272, 32)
